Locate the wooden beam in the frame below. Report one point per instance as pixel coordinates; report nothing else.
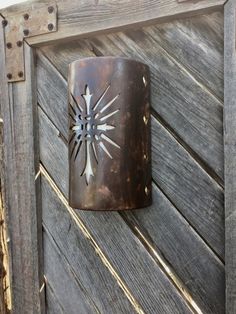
(230, 154)
(18, 103)
(86, 18)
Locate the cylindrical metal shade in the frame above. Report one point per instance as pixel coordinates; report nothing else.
(109, 134)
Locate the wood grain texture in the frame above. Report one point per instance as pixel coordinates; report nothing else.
(172, 237)
(62, 276)
(87, 278)
(149, 286)
(84, 18)
(3, 271)
(197, 44)
(202, 206)
(230, 155)
(18, 104)
(169, 232)
(52, 303)
(191, 111)
(186, 105)
(95, 17)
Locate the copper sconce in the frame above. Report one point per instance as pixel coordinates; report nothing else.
(109, 134)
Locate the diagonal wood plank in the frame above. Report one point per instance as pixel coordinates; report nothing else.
(52, 304)
(62, 275)
(202, 206)
(180, 245)
(167, 231)
(190, 110)
(197, 44)
(142, 276)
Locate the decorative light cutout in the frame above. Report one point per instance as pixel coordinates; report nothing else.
(89, 128)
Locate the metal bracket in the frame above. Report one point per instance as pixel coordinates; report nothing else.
(39, 19)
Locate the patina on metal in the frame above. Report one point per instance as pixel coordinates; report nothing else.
(40, 18)
(109, 134)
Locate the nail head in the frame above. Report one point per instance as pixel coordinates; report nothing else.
(26, 16)
(26, 32)
(19, 43)
(50, 27)
(4, 23)
(9, 45)
(50, 9)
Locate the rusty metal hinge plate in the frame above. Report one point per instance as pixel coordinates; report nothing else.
(39, 19)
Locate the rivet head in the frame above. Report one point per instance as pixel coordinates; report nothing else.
(20, 74)
(9, 76)
(19, 43)
(26, 16)
(9, 45)
(50, 27)
(26, 32)
(4, 23)
(50, 9)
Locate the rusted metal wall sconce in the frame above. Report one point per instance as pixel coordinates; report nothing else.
(109, 134)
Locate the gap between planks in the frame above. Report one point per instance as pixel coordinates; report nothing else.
(164, 265)
(188, 72)
(65, 260)
(167, 270)
(207, 168)
(201, 163)
(86, 233)
(160, 120)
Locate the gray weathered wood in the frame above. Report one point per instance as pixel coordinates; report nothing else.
(230, 155)
(197, 44)
(162, 222)
(77, 263)
(190, 110)
(149, 286)
(61, 276)
(193, 113)
(17, 105)
(189, 256)
(92, 17)
(52, 304)
(197, 196)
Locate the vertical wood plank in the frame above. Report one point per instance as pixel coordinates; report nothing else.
(230, 154)
(3, 304)
(18, 103)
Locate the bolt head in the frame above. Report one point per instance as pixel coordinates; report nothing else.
(26, 16)
(20, 74)
(50, 9)
(9, 76)
(19, 43)
(50, 27)
(9, 45)
(26, 32)
(4, 23)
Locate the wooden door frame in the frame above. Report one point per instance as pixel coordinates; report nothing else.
(21, 157)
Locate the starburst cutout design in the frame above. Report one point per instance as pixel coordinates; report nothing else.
(89, 127)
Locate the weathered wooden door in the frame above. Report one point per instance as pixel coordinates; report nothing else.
(168, 258)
